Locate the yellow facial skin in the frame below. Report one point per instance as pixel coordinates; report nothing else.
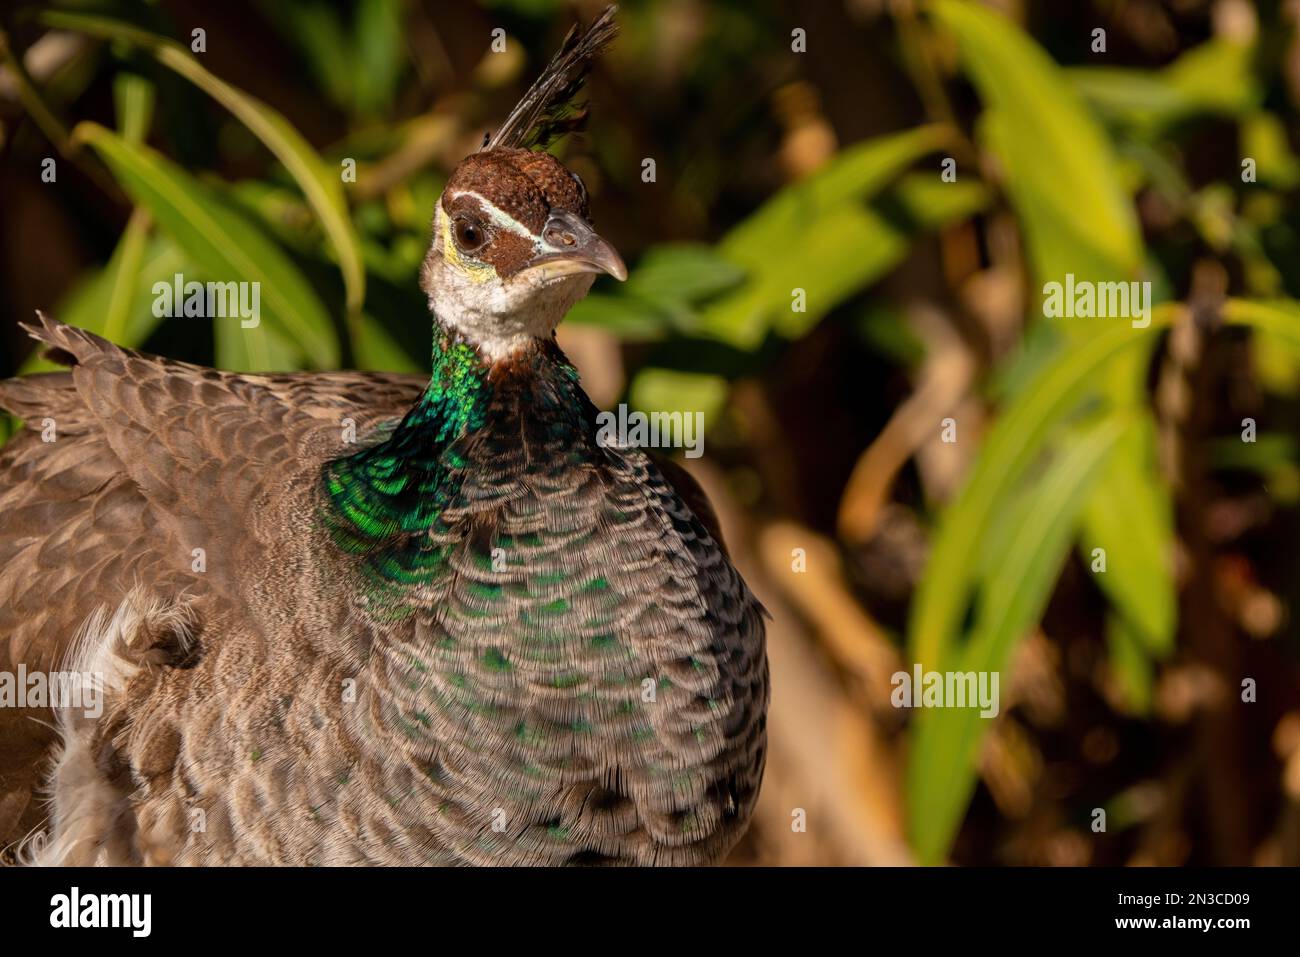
(477, 272)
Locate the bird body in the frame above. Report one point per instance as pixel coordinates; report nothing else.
(349, 618)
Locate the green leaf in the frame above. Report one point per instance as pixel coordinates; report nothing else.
(356, 64)
(1269, 452)
(843, 264)
(817, 236)
(1016, 439)
(125, 269)
(1064, 181)
(1280, 318)
(885, 233)
(1141, 99)
(320, 184)
(379, 351)
(380, 44)
(682, 273)
(260, 349)
(1276, 324)
(853, 247)
(1274, 458)
(814, 235)
(1131, 516)
(1217, 76)
(88, 308)
(1264, 139)
(87, 305)
(629, 318)
(945, 744)
(883, 328)
(317, 30)
(1130, 665)
(220, 241)
(850, 248)
(1059, 169)
(133, 97)
(668, 390)
(660, 293)
(1213, 79)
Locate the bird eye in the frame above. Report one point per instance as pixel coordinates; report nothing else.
(469, 234)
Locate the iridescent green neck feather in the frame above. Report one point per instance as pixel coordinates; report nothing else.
(385, 504)
(382, 499)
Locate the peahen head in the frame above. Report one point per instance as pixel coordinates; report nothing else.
(513, 247)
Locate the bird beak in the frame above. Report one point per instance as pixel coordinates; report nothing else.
(570, 246)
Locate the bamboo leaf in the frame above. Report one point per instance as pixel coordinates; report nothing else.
(379, 351)
(379, 47)
(1059, 168)
(125, 267)
(1214, 78)
(682, 273)
(945, 743)
(1063, 179)
(630, 318)
(669, 390)
(1280, 318)
(321, 185)
(1130, 665)
(1130, 516)
(222, 243)
(88, 304)
(815, 235)
(133, 97)
(1012, 444)
(699, 291)
(884, 230)
(252, 350)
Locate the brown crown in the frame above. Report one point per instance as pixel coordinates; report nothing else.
(525, 184)
(521, 183)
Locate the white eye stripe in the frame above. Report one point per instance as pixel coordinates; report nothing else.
(501, 218)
